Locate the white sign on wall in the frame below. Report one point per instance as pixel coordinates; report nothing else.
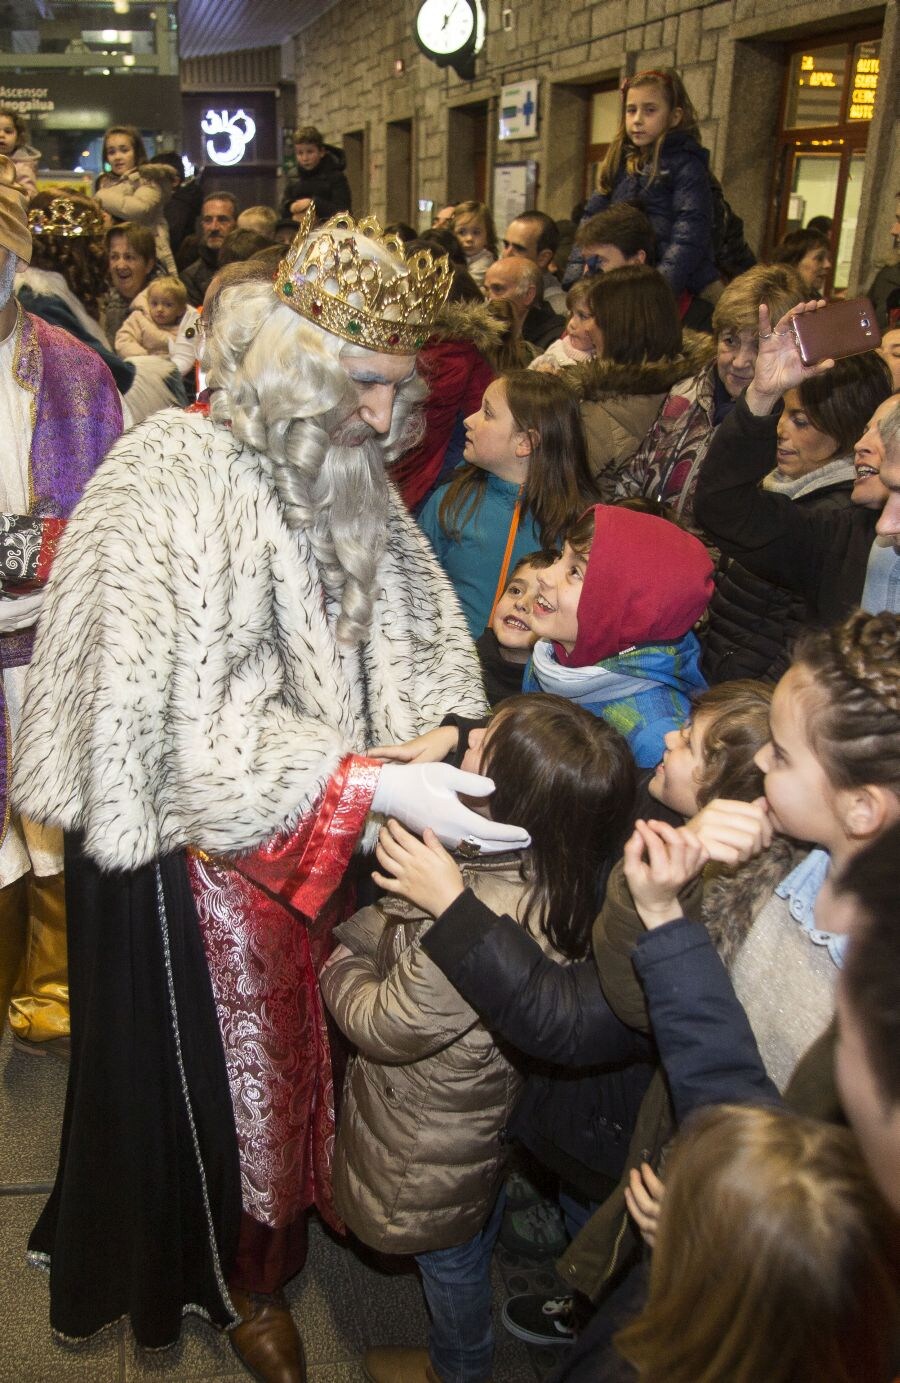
(227, 135)
(519, 110)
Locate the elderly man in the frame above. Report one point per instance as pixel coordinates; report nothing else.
(59, 413)
(241, 607)
(534, 235)
(520, 283)
(218, 217)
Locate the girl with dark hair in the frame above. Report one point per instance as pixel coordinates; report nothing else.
(135, 189)
(419, 1159)
(640, 354)
(524, 481)
(576, 1116)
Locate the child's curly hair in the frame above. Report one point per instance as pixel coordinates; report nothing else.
(81, 260)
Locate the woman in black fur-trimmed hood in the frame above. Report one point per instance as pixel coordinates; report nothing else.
(640, 353)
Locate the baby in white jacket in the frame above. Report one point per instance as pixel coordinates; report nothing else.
(157, 316)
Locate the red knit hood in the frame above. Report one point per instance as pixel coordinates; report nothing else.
(646, 581)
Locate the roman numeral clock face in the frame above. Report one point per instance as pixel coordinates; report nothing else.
(451, 32)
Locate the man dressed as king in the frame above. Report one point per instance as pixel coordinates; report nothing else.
(240, 608)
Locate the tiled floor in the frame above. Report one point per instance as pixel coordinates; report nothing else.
(341, 1303)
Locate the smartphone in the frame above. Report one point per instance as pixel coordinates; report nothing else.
(836, 331)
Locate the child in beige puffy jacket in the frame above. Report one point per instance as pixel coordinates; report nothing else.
(156, 317)
(421, 1148)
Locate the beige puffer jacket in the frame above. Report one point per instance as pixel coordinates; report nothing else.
(420, 1149)
(141, 196)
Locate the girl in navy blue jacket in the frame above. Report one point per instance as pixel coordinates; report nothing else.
(656, 161)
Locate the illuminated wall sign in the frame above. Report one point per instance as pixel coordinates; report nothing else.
(865, 84)
(27, 100)
(812, 77)
(227, 135)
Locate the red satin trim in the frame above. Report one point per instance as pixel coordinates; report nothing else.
(305, 866)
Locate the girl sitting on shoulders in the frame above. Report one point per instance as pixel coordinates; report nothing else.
(656, 160)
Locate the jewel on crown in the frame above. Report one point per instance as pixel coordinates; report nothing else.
(372, 302)
(66, 220)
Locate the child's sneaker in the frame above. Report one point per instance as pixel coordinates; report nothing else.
(521, 1191)
(539, 1320)
(535, 1232)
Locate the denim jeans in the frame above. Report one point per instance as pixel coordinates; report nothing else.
(457, 1286)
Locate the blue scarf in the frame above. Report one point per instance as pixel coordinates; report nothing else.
(643, 692)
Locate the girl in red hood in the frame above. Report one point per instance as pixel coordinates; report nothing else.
(614, 619)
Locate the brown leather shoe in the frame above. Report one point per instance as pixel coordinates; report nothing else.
(266, 1341)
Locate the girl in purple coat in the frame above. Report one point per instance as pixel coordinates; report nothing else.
(656, 161)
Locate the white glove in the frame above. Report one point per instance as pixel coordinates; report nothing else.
(421, 795)
(20, 612)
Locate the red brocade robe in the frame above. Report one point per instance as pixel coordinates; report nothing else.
(266, 920)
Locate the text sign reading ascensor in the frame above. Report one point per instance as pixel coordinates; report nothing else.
(27, 100)
(228, 136)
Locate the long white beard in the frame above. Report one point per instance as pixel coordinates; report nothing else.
(344, 508)
(7, 279)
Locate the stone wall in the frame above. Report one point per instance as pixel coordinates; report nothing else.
(729, 51)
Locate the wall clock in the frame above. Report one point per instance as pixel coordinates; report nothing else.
(451, 32)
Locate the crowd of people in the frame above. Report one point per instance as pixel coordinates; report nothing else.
(451, 686)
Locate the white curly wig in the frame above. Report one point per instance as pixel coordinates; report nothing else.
(279, 383)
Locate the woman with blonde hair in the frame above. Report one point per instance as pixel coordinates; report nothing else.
(667, 463)
(776, 1258)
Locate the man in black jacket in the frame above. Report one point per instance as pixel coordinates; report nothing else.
(832, 559)
(218, 217)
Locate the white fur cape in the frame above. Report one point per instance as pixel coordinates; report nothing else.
(186, 687)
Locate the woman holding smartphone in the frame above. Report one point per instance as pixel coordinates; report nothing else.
(831, 559)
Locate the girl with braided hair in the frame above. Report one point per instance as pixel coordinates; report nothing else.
(831, 779)
(741, 1004)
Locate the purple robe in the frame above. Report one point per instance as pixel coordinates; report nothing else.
(76, 415)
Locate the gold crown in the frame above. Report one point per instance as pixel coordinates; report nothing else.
(330, 279)
(65, 219)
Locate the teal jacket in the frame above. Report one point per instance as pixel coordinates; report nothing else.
(473, 561)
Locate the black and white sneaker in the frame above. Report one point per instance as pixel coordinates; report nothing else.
(540, 1320)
